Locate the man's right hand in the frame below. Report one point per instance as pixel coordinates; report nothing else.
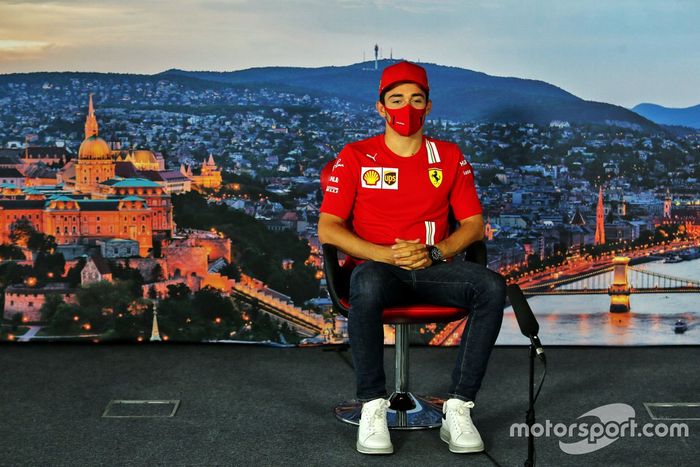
(407, 254)
(384, 254)
(411, 254)
(332, 230)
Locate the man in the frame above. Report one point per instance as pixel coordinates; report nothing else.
(386, 205)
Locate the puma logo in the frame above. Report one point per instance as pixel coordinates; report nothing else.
(374, 158)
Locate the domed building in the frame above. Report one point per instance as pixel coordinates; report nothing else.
(94, 164)
(94, 203)
(95, 148)
(143, 159)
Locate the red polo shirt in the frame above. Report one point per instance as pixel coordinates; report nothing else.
(389, 196)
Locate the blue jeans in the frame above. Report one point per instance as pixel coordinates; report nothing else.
(375, 286)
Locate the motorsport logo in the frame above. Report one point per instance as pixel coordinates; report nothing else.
(614, 421)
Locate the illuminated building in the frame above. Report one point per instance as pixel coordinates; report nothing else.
(76, 220)
(96, 269)
(11, 176)
(93, 204)
(143, 159)
(27, 300)
(95, 163)
(668, 201)
(600, 220)
(209, 176)
(48, 155)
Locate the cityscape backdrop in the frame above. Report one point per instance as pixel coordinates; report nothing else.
(182, 205)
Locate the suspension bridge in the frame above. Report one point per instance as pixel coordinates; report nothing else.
(618, 280)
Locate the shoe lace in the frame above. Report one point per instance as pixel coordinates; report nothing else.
(377, 416)
(461, 420)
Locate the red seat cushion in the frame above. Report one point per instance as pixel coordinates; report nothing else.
(418, 313)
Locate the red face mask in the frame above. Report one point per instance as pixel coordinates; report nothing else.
(406, 120)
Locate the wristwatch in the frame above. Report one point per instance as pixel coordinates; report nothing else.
(435, 254)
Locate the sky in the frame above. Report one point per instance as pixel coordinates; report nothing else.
(621, 52)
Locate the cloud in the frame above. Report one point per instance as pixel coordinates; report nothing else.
(15, 50)
(62, 20)
(601, 50)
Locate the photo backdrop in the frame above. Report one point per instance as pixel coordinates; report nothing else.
(182, 205)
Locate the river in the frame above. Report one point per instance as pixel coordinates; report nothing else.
(585, 319)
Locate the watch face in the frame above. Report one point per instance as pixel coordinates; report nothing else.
(435, 254)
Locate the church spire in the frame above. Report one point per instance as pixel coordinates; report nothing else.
(155, 333)
(91, 128)
(600, 219)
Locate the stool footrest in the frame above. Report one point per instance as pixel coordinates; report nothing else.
(425, 414)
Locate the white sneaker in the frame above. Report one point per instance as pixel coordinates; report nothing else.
(457, 428)
(373, 434)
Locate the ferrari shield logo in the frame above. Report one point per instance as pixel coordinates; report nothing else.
(435, 176)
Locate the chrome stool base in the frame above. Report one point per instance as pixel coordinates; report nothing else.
(425, 414)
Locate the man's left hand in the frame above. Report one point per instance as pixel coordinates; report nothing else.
(410, 254)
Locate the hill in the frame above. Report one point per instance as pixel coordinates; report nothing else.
(688, 117)
(457, 93)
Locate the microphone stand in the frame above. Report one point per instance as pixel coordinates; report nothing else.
(530, 415)
(529, 327)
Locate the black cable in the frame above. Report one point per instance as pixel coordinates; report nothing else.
(544, 373)
(486, 453)
(528, 414)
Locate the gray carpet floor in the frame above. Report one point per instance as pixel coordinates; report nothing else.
(247, 405)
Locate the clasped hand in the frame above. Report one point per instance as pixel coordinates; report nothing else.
(410, 254)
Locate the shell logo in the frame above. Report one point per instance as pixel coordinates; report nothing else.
(371, 177)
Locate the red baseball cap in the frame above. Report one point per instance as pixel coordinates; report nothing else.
(403, 72)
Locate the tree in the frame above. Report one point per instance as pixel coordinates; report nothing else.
(231, 271)
(23, 234)
(73, 276)
(131, 275)
(9, 251)
(216, 312)
(62, 322)
(157, 249)
(20, 232)
(260, 251)
(135, 321)
(13, 273)
(49, 264)
(42, 243)
(100, 303)
(157, 274)
(179, 291)
(50, 307)
(16, 321)
(300, 283)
